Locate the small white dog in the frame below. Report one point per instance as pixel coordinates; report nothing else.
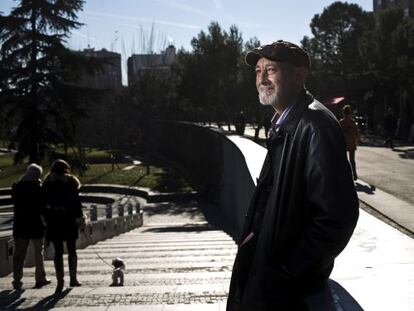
(118, 272)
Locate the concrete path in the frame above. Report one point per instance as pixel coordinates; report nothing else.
(377, 266)
(391, 171)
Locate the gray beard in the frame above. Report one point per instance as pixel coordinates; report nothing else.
(268, 100)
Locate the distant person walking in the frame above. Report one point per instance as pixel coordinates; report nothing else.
(352, 136)
(64, 218)
(390, 126)
(28, 224)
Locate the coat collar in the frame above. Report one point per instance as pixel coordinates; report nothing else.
(304, 100)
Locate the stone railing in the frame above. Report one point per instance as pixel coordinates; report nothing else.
(223, 167)
(126, 217)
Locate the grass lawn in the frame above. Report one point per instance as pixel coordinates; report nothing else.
(161, 178)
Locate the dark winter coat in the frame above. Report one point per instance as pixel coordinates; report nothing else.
(63, 206)
(310, 214)
(29, 205)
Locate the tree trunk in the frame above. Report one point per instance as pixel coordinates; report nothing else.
(33, 111)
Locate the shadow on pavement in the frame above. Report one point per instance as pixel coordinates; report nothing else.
(332, 297)
(363, 188)
(405, 153)
(346, 301)
(11, 299)
(192, 209)
(50, 302)
(174, 208)
(216, 218)
(185, 228)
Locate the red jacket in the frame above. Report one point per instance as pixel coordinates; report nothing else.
(351, 133)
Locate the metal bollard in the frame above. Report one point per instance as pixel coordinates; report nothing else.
(120, 210)
(93, 213)
(138, 208)
(108, 211)
(130, 208)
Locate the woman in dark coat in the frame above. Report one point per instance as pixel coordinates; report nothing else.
(28, 224)
(64, 218)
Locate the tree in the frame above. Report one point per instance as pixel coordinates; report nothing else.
(149, 89)
(403, 47)
(376, 48)
(334, 45)
(40, 95)
(208, 79)
(386, 51)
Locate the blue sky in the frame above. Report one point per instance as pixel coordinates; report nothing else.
(120, 25)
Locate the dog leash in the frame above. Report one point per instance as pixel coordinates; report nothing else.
(96, 253)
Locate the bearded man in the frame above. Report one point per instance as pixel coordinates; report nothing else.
(305, 208)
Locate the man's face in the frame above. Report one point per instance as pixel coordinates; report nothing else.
(275, 83)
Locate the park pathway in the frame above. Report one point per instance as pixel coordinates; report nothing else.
(176, 261)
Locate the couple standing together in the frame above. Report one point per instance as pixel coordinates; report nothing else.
(53, 208)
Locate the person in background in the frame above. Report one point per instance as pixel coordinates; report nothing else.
(28, 224)
(64, 218)
(390, 126)
(352, 136)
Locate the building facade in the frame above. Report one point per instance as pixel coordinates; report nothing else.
(159, 64)
(109, 76)
(406, 5)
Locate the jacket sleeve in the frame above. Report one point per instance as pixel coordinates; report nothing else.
(332, 198)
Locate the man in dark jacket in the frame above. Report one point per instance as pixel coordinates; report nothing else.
(305, 208)
(28, 225)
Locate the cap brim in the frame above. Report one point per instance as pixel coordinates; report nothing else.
(252, 57)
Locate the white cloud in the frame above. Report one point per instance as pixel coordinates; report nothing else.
(86, 36)
(183, 7)
(218, 5)
(129, 25)
(142, 19)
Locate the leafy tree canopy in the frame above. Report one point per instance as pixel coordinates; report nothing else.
(336, 32)
(37, 69)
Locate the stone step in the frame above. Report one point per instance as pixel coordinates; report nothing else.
(166, 269)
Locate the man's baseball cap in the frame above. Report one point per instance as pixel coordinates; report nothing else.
(279, 51)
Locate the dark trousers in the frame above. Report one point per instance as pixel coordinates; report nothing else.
(19, 256)
(351, 155)
(70, 245)
(389, 141)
